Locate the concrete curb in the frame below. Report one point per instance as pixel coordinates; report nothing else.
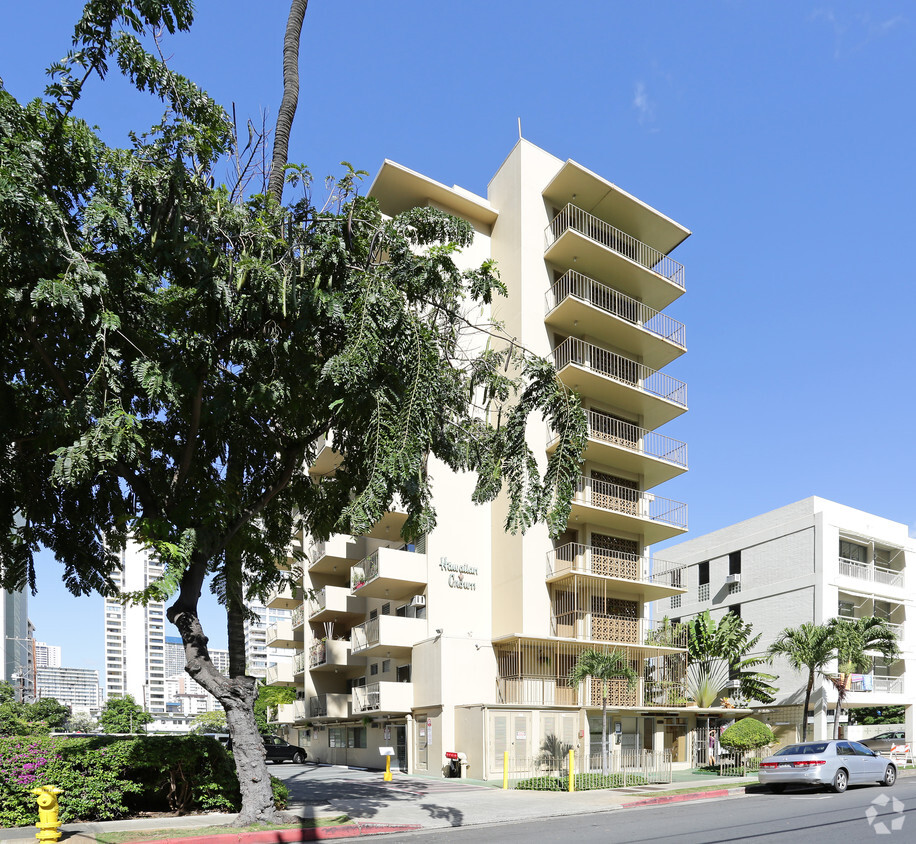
(680, 798)
(289, 836)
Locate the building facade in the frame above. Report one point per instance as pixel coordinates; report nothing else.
(810, 561)
(77, 688)
(47, 656)
(463, 640)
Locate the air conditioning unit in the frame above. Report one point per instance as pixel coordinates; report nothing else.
(733, 578)
(733, 684)
(418, 601)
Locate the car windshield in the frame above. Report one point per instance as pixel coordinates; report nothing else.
(802, 749)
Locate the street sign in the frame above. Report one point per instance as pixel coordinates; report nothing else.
(386, 751)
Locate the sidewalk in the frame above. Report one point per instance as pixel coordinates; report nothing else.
(408, 803)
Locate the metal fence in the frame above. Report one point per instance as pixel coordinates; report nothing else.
(621, 769)
(736, 763)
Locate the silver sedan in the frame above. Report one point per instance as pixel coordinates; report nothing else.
(835, 764)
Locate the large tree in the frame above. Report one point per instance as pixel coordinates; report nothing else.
(178, 347)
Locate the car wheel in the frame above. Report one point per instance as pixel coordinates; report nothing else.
(840, 781)
(777, 789)
(298, 758)
(890, 776)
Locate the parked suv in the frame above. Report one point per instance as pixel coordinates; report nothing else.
(280, 750)
(883, 742)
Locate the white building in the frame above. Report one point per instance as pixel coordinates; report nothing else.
(47, 656)
(463, 641)
(807, 562)
(77, 688)
(175, 659)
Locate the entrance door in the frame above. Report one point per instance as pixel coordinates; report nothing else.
(400, 746)
(422, 744)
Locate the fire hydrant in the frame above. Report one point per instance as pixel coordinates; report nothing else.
(48, 824)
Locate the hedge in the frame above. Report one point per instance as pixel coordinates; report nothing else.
(107, 777)
(583, 782)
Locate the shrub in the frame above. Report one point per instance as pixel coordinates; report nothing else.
(583, 782)
(281, 792)
(747, 734)
(107, 777)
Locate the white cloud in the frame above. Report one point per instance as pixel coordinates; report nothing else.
(855, 32)
(645, 108)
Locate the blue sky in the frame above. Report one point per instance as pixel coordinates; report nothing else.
(779, 133)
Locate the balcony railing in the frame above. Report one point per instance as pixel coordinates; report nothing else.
(298, 616)
(547, 691)
(600, 627)
(631, 502)
(299, 662)
(367, 570)
(872, 573)
(318, 706)
(619, 304)
(620, 369)
(367, 698)
(876, 683)
(576, 558)
(364, 635)
(613, 238)
(318, 601)
(318, 654)
(626, 435)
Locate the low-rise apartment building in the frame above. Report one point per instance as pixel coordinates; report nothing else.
(807, 562)
(463, 640)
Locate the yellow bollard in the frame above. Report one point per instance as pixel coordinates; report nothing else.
(387, 769)
(48, 824)
(505, 769)
(572, 773)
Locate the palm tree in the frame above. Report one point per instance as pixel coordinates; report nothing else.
(602, 666)
(810, 648)
(853, 639)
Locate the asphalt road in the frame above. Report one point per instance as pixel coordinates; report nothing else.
(808, 816)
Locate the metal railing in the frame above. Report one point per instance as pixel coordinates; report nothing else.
(621, 499)
(872, 573)
(318, 654)
(298, 616)
(299, 662)
(619, 768)
(318, 706)
(618, 368)
(364, 635)
(575, 558)
(604, 428)
(318, 601)
(613, 238)
(364, 572)
(367, 698)
(603, 627)
(317, 550)
(619, 304)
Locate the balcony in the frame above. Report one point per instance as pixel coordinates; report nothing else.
(549, 691)
(281, 635)
(624, 630)
(577, 304)
(648, 579)
(614, 442)
(620, 382)
(285, 597)
(336, 554)
(384, 698)
(280, 674)
(600, 250)
(332, 655)
(326, 458)
(387, 573)
(876, 683)
(619, 508)
(292, 713)
(299, 663)
(329, 706)
(387, 634)
(335, 603)
(879, 577)
(298, 618)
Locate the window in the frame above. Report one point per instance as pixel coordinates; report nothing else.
(403, 673)
(734, 562)
(336, 737)
(356, 737)
(386, 666)
(373, 614)
(854, 552)
(735, 609)
(373, 669)
(703, 572)
(386, 609)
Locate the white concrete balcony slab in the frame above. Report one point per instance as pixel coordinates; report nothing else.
(331, 655)
(599, 250)
(292, 713)
(327, 459)
(281, 635)
(621, 508)
(336, 554)
(336, 603)
(617, 381)
(384, 698)
(280, 674)
(579, 305)
(632, 575)
(285, 597)
(387, 573)
(613, 442)
(330, 705)
(387, 634)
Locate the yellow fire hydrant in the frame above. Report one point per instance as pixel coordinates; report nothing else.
(48, 824)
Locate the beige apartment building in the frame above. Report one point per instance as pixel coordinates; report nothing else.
(463, 641)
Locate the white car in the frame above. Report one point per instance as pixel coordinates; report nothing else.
(834, 764)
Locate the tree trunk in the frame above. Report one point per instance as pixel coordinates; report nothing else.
(604, 747)
(235, 614)
(804, 724)
(236, 695)
(840, 697)
(290, 100)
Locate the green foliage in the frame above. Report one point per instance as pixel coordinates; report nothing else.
(747, 734)
(30, 719)
(123, 715)
(730, 639)
(209, 722)
(877, 715)
(265, 706)
(705, 681)
(105, 778)
(583, 782)
(80, 722)
(280, 792)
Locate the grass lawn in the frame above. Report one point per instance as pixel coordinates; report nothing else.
(188, 832)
